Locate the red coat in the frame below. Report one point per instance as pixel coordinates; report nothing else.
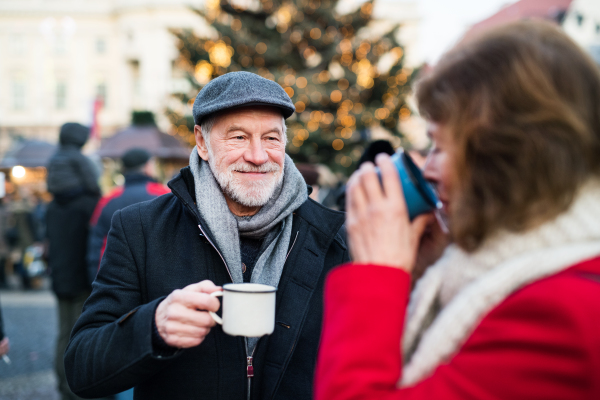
(542, 342)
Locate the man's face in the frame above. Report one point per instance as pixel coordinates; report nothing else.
(246, 153)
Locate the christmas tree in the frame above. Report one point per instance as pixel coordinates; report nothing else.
(342, 82)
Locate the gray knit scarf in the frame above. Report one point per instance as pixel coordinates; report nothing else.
(273, 222)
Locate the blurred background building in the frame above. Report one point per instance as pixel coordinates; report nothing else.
(579, 18)
(64, 58)
(96, 61)
(582, 23)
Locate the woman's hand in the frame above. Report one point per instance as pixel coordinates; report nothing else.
(379, 230)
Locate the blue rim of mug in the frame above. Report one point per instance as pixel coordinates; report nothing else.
(247, 291)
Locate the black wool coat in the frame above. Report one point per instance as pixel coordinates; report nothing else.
(156, 247)
(67, 229)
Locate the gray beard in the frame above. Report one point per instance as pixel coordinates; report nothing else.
(249, 194)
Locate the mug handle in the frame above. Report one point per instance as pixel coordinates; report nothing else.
(214, 316)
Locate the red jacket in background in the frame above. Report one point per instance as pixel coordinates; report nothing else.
(541, 342)
(138, 187)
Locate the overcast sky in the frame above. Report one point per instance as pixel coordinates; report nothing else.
(444, 21)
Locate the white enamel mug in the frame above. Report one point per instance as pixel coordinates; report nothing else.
(248, 309)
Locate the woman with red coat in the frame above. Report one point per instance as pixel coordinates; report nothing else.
(511, 310)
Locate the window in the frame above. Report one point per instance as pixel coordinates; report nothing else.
(18, 94)
(17, 44)
(579, 19)
(597, 29)
(61, 95)
(60, 45)
(100, 45)
(101, 93)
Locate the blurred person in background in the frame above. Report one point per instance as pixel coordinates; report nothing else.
(512, 308)
(70, 173)
(4, 342)
(38, 213)
(311, 176)
(4, 248)
(139, 169)
(327, 182)
(374, 148)
(72, 180)
(20, 234)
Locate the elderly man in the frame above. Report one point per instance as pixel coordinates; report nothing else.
(239, 213)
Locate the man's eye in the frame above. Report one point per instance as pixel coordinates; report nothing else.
(239, 137)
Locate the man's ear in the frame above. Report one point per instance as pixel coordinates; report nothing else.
(200, 143)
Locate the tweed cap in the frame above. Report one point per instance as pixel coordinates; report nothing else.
(239, 89)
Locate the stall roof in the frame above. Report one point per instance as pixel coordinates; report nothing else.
(28, 153)
(159, 144)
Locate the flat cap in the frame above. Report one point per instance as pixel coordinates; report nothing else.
(240, 89)
(135, 157)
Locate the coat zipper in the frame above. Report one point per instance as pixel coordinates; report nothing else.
(249, 366)
(250, 359)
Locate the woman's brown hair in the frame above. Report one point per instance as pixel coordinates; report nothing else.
(522, 103)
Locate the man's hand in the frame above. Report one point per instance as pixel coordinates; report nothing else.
(4, 346)
(182, 319)
(379, 230)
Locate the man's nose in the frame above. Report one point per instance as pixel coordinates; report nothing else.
(256, 153)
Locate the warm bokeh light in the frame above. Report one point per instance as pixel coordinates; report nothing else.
(336, 96)
(364, 73)
(212, 4)
(324, 76)
(261, 48)
(236, 24)
(18, 172)
(301, 82)
(220, 54)
(337, 144)
(203, 72)
(346, 161)
(302, 134)
(404, 113)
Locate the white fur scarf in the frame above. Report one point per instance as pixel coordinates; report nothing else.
(461, 288)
